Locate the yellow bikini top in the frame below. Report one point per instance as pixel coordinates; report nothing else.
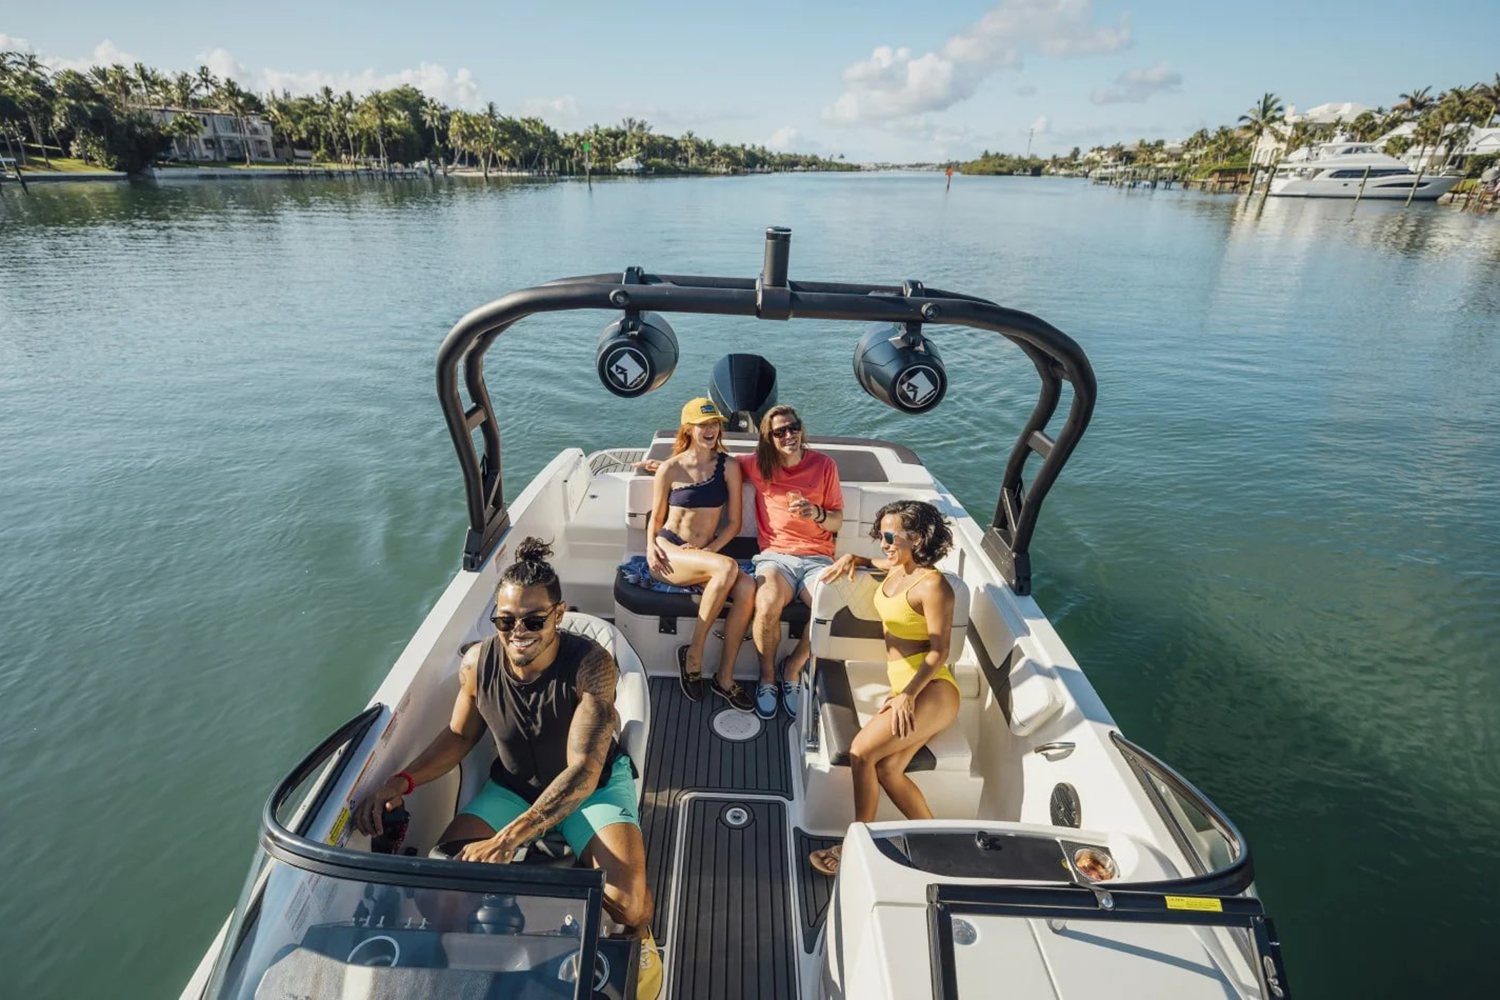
(900, 619)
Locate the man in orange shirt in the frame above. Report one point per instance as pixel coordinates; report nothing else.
(798, 510)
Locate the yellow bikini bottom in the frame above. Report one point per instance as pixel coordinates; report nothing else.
(900, 672)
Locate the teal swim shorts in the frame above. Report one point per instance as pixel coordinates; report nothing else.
(611, 803)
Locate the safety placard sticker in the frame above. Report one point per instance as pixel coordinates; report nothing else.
(335, 835)
(1206, 904)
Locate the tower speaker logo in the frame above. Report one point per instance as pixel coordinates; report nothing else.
(627, 369)
(918, 387)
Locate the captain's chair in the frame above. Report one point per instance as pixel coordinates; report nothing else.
(632, 694)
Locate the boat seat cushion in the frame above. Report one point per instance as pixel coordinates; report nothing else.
(850, 694)
(665, 604)
(845, 625)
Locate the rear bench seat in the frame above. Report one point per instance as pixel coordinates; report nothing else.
(667, 607)
(848, 645)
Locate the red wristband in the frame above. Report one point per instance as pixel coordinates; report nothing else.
(411, 782)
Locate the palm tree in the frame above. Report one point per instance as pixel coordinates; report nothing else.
(1488, 92)
(207, 82)
(1263, 118)
(432, 117)
(1412, 105)
(185, 127)
(33, 94)
(241, 104)
(374, 118)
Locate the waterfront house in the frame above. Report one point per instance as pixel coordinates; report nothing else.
(1478, 142)
(222, 136)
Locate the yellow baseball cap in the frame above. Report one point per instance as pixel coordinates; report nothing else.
(700, 410)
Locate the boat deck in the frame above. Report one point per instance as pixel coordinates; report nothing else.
(735, 898)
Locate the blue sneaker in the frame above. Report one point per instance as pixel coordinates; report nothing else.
(765, 701)
(791, 697)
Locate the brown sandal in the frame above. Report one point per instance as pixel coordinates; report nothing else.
(826, 861)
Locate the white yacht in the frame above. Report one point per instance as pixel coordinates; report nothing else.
(1354, 170)
(1066, 860)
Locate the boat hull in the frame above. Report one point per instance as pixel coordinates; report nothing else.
(1431, 188)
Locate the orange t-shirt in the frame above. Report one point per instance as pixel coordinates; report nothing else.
(816, 477)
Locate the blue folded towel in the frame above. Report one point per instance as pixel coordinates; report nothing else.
(637, 573)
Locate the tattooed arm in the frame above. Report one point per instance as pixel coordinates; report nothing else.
(592, 728)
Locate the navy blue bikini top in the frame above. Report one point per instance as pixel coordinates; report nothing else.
(712, 492)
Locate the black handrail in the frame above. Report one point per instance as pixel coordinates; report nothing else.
(1055, 355)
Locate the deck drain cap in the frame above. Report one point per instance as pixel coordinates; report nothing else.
(964, 932)
(736, 726)
(735, 817)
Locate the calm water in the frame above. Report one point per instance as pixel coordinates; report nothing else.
(228, 499)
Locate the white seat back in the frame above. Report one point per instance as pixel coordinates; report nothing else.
(632, 693)
(845, 625)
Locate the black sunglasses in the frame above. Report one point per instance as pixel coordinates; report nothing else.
(889, 537)
(786, 430)
(531, 623)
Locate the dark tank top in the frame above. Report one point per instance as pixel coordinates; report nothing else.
(530, 719)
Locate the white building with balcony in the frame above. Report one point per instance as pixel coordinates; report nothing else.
(221, 137)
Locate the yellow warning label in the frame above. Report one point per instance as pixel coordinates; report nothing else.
(1205, 903)
(338, 827)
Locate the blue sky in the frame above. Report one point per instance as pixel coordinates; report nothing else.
(873, 79)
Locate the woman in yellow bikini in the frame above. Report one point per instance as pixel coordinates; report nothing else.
(915, 604)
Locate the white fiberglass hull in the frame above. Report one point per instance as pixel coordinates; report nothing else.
(1431, 187)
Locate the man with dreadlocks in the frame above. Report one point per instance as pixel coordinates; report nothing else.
(547, 697)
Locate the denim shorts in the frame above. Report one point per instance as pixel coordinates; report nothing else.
(800, 571)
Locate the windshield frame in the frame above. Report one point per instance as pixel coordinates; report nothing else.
(287, 846)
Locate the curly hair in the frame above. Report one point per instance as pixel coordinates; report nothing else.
(531, 569)
(930, 534)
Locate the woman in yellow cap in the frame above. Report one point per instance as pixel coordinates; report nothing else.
(687, 529)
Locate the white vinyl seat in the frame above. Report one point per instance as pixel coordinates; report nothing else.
(632, 693)
(848, 646)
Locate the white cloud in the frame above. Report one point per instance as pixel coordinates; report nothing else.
(895, 84)
(1041, 126)
(783, 138)
(556, 111)
(458, 89)
(106, 53)
(10, 43)
(1137, 85)
(224, 66)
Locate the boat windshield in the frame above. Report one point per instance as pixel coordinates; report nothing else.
(338, 934)
(319, 920)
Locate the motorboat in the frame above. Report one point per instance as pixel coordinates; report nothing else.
(1354, 170)
(1066, 860)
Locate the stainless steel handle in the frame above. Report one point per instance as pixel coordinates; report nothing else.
(1058, 747)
